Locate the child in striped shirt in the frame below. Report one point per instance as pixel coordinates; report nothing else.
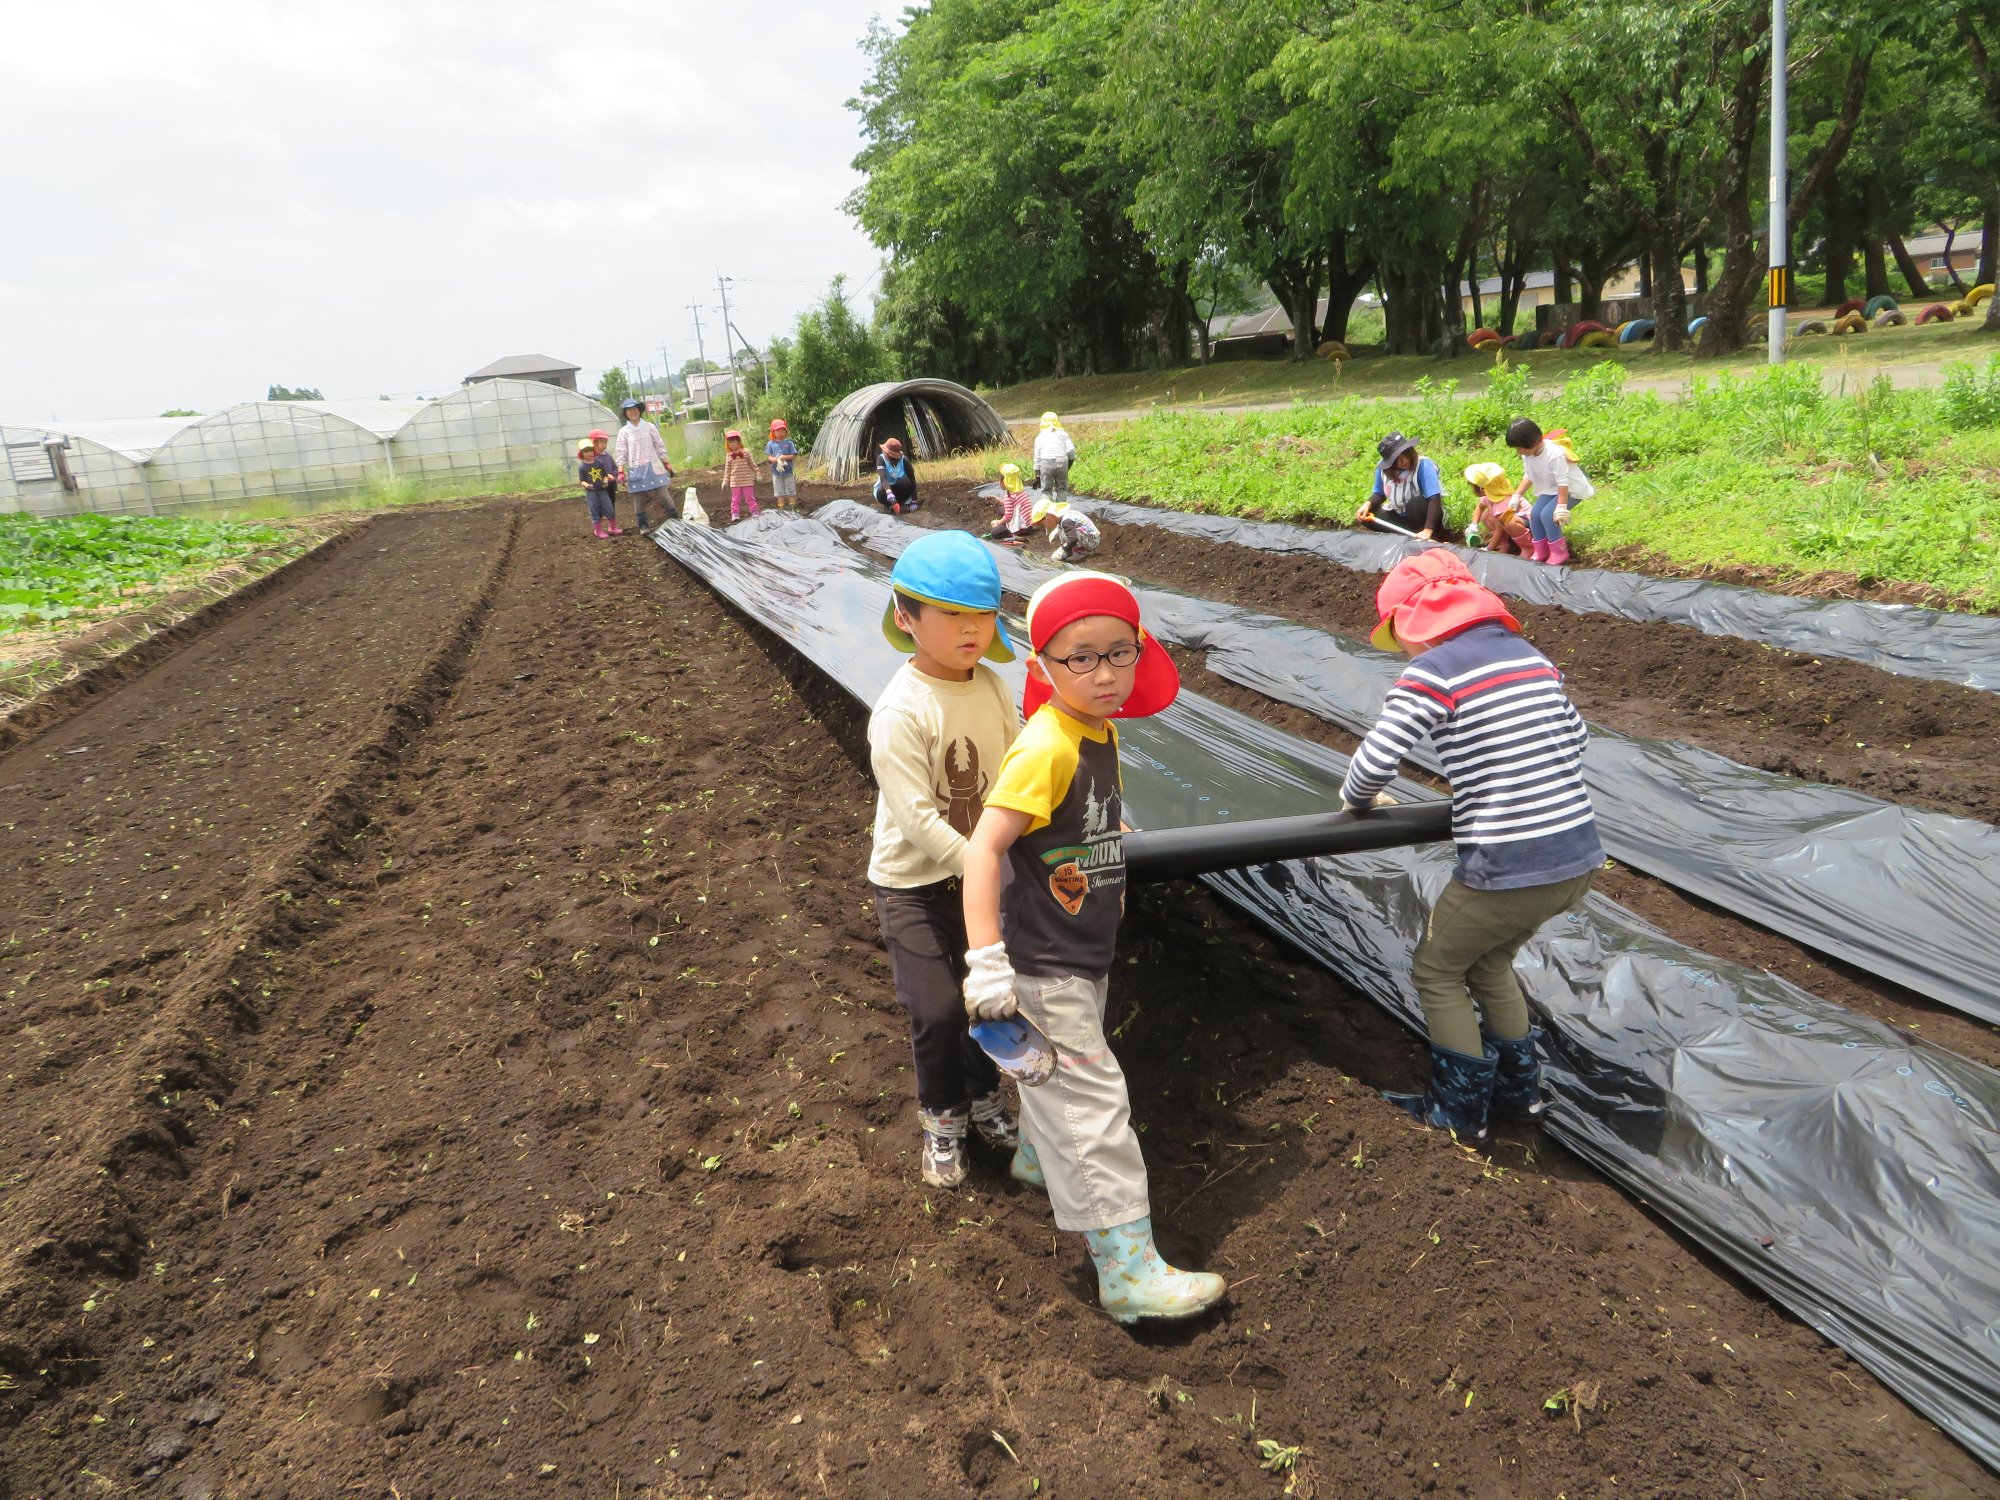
(1512, 744)
(739, 474)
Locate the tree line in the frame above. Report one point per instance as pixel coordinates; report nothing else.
(1074, 186)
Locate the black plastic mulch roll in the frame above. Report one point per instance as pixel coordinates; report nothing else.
(1851, 1173)
(1898, 638)
(1908, 895)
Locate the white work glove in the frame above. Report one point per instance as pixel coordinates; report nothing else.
(1562, 515)
(1380, 799)
(989, 984)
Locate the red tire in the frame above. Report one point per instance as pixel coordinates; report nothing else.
(1576, 331)
(1937, 312)
(1852, 304)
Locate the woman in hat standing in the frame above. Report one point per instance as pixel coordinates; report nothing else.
(1408, 494)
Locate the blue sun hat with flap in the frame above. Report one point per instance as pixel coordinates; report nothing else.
(952, 569)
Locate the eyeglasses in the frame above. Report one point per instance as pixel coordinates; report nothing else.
(1083, 663)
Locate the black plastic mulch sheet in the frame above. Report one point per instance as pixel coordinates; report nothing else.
(1909, 895)
(1850, 1172)
(1899, 638)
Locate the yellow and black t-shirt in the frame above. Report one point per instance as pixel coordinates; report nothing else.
(1066, 874)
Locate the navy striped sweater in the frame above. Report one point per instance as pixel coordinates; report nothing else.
(1512, 745)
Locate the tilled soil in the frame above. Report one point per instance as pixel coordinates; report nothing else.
(507, 1091)
(1928, 744)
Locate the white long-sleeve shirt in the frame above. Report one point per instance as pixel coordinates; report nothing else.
(935, 747)
(1053, 446)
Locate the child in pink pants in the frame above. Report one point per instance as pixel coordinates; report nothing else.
(739, 472)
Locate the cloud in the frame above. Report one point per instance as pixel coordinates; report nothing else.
(375, 198)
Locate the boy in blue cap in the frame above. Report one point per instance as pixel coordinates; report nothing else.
(937, 735)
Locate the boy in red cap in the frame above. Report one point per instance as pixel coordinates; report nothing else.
(1053, 824)
(1512, 745)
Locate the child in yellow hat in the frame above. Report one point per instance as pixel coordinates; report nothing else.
(1499, 515)
(1016, 508)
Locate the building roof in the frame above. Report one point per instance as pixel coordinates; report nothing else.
(1965, 243)
(518, 365)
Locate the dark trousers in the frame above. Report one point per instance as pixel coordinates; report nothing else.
(903, 492)
(923, 928)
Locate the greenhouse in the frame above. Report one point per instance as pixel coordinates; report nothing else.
(932, 418)
(156, 465)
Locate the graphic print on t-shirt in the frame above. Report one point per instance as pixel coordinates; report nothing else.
(1099, 861)
(965, 791)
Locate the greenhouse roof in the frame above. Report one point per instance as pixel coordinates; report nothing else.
(383, 418)
(137, 438)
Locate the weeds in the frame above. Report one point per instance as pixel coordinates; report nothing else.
(1790, 468)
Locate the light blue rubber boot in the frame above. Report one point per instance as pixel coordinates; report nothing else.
(1027, 1167)
(1134, 1283)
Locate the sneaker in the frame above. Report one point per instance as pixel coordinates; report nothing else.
(995, 1126)
(944, 1145)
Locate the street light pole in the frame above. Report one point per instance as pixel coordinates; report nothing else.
(722, 286)
(1780, 288)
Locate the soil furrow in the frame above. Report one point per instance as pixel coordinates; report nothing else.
(84, 1212)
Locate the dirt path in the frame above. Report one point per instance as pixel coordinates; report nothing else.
(553, 1126)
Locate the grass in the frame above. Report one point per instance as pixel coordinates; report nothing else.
(379, 492)
(1796, 469)
(1278, 381)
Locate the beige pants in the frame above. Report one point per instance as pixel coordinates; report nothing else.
(1080, 1121)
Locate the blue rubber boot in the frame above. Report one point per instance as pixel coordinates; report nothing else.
(1461, 1089)
(1517, 1080)
(1134, 1283)
(1027, 1167)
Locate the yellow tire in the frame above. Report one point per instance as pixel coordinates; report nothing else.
(1598, 340)
(1852, 323)
(1334, 350)
(1979, 294)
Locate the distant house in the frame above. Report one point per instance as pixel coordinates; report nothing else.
(707, 388)
(528, 367)
(1927, 250)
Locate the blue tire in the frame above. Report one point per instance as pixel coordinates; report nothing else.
(1637, 329)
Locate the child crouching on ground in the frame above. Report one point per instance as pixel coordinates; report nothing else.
(739, 473)
(1512, 745)
(1017, 508)
(938, 733)
(1052, 833)
(1549, 472)
(1075, 534)
(1499, 515)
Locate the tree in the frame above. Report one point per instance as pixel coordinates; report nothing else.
(286, 393)
(613, 387)
(179, 411)
(830, 353)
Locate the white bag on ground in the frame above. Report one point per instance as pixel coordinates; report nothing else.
(691, 511)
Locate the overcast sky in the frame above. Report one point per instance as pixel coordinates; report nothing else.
(377, 198)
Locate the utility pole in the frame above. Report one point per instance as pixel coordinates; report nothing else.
(701, 358)
(722, 286)
(667, 365)
(1780, 287)
(762, 368)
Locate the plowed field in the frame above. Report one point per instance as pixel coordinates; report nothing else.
(448, 1051)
